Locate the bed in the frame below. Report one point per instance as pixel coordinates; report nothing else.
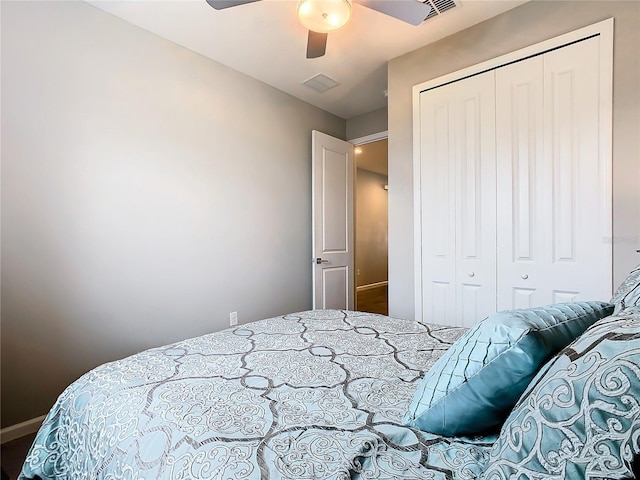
(326, 394)
(312, 395)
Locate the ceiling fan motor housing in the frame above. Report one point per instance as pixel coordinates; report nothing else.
(324, 16)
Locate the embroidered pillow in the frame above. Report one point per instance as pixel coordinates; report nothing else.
(580, 418)
(475, 384)
(628, 293)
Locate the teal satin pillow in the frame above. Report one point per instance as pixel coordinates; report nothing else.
(472, 388)
(580, 417)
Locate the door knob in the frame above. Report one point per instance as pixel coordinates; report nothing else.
(320, 260)
(472, 274)
(525, 276)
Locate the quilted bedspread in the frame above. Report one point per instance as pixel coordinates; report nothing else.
(311, 395)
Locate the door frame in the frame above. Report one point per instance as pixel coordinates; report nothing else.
(604, 29)
(374, 137)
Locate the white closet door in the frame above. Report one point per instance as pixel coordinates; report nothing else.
(578, 254)
(437, 204)
(457, 202)
(524, 226)
(550, 197)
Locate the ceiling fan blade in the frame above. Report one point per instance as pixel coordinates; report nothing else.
(222, 4)
(316, 44)
(408, 11)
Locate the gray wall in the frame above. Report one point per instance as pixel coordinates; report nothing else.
(146, 193)
(371, 227)
(367, 124)
(520, 27)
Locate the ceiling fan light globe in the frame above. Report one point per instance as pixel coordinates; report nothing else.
(324, 16)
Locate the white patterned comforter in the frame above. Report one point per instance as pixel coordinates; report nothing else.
(311, 395)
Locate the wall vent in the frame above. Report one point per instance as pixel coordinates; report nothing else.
(440, 6)
(320, 83)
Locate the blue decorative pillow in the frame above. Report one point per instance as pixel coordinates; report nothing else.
(628, 293)
(580, 418)
(475, 384)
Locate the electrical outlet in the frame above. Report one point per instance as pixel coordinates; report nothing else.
(358, 271)
(233, 318)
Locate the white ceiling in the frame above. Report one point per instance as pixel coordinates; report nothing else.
(266, 41)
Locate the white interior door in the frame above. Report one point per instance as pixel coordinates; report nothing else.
(332, 222)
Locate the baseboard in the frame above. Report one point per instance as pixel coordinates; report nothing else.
(372, 285)
(21, 429)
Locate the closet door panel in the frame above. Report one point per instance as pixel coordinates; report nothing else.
(457, 204)
(475, 199)
(437, 205)
(549, 190)
(522, 225)
(575, 196)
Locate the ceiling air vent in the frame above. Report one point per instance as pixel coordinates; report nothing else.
(320, 83)
(440, 6)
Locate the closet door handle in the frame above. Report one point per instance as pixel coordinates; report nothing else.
(524, 276)
(472, 274)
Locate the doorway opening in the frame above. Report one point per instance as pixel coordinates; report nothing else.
(371, 226)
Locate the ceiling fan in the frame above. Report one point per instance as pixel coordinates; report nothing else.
(324, 16)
